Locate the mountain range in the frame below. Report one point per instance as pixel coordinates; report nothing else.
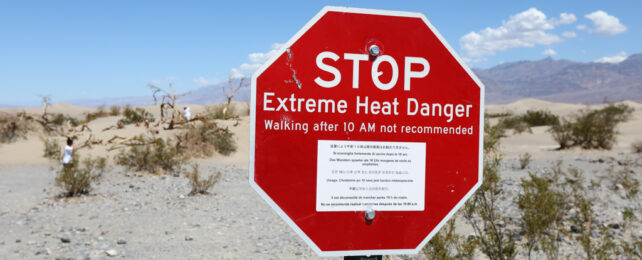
(547, 79)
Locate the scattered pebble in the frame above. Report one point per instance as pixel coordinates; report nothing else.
(111, 252)
(121, 242)
(189, 238)
(65, 239)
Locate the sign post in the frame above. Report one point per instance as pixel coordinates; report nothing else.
(366, 132)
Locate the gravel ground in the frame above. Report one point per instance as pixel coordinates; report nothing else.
(146, 216)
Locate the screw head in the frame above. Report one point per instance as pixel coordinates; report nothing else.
(374, 50)
(370, 214)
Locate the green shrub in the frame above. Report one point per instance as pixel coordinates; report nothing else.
(154, 155)
(447, 244)
(132, 116)
(201, 186)
(203, 139)
(76, 180)
(543, 209)
(497, 115)
(539, 118)
(52, 149)
(59, 119)
(591, 129)
(624, 180)
(516, 123)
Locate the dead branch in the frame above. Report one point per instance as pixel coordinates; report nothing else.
(230, 92)
(167, 105)
(129, 141)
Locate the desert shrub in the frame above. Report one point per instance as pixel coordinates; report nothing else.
(624, 180)
(492, 135)
(203, 139)
(153, 155)
(481, 211)
(76, 180)
(59, 119)
(52, 149)
(637, 146)
(524, 160)
(447, 244)
(563, 134)
(497, 115)
(516, 123)
(218, 111)
(100, 112)
(539, 118)
(13, 127)
(543, 210)
(201, 186)
(134, 115)
(114, 111)
(591, 129)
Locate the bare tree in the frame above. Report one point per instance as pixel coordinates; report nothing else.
(168, 105)
(230, 92)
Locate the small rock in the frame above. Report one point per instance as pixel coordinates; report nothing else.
(168, 232)
(614, 226)
(65, 239)
(575, 229)
(31, 242)
(121, 242)
(500, 223)
(181, 196)
(111, 252)
(189, 238)
(18, 240)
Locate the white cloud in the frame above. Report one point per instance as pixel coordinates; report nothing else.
(549, 52)
(202, 81)
(581, 27)
(605, 24)
(569, 34)
(256, 60)
(525, 29)
(617, 58)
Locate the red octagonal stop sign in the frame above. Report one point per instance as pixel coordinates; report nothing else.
(366, 111)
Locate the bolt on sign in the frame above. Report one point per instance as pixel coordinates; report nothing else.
(366, 132)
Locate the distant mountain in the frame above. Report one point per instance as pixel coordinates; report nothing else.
(212, 94)
(564, 81)
(546, 79)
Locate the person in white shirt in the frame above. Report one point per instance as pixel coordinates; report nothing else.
(67, 156)
(186, 113)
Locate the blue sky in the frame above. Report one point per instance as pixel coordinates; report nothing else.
(92, 49)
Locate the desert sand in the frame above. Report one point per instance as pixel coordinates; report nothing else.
(143, 216)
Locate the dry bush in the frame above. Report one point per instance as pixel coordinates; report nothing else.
(134, 115)
(637, 146)
(13, 127)
(591, 129)
(153, 155)
(202, 186)
(114, 111)
(201, 140)
(76, 180)
(447, 244)
(623, 180)
(53, 150)
(219, 111)
(524, 160)
(100, 112)
(59, 119)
